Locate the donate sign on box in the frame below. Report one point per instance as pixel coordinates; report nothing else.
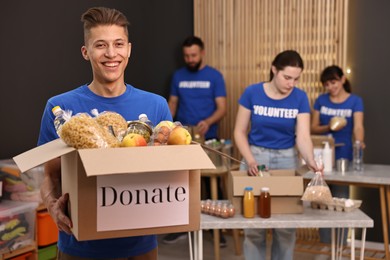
(127, 202)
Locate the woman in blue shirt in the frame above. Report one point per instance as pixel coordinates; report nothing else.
(277, 115)
(338, 101)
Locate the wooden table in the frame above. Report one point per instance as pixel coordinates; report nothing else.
(309, 219)
(373, 176)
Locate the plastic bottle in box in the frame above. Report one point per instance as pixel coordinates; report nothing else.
(59, 119)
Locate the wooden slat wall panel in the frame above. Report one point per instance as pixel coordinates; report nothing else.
(243, 36)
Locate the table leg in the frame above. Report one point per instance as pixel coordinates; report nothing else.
(190, 245)
(363, 244)
(333, 246)
(388, 208)
(384, 221)
(198, 245)
(214, 187)
(353, 244)
(216, 244)
(214, 196)
(237, 242)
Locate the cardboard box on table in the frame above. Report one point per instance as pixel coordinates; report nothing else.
(85, 172)
(286, 190)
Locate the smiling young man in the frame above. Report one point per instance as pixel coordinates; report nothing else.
(107, 48)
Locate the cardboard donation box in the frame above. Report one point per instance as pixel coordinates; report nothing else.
(118, 192)
(286, 190)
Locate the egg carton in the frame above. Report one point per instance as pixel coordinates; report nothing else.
(338, 204)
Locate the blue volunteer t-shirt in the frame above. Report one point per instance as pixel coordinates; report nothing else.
(328, 109)
(130, 105)
(273, 121)
(197, 92)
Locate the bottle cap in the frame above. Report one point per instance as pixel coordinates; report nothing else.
(142, 116)
(248, 188)
(56, 109)
(265, 189)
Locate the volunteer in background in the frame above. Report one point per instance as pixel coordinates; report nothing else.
(108, 49)
(197, 99)
(198, 94)
(278, 115)
(338, 101)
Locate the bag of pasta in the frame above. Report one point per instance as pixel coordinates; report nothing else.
(317, 190)
(112, 121)
(82, 131)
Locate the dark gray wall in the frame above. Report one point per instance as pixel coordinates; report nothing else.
(369, 58)
(40, 56)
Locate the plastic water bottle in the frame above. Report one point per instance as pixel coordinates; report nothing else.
(327, 158)
(59, 119)
(357, 156)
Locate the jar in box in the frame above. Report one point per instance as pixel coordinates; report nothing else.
(141, 128)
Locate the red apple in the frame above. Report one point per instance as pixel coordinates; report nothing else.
(179, 135)
(133, 139)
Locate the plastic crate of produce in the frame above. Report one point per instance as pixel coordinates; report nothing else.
(17, 224)
(46, 229)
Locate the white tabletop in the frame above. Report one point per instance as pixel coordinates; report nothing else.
(309, 219)
(371, 174)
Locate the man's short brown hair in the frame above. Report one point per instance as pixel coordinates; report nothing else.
(96, 16)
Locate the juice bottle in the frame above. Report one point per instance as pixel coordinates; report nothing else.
(249, 203)
(264, 205)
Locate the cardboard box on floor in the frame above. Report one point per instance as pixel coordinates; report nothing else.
(82, 169)
(286, 189)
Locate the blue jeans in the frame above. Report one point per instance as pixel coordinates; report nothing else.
(283, 240)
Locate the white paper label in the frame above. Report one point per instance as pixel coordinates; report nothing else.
(144, 200)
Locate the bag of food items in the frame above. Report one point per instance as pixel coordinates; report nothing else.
(112, 121)
(109, 129)
(171, 133)
(82, 131)
(317, 190)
